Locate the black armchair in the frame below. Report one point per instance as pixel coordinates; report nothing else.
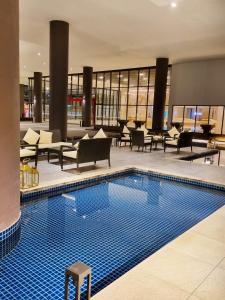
(184, 140)
(138, 139)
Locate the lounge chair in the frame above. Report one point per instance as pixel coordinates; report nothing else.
(138, 139)
(184, 140)
(90, 150)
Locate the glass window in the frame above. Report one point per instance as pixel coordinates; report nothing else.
(178, 112)
(115, 79)
(133, 78)
(216, 117)
(131, 113)
(123, 96)
(224, 120)
(202, 117)
(189, 117)
(142, 96)
(100, 78)
(149, 117)
(143, 77)
(123, 113)
(152, 77)
(107, 80)
(124, 79)
(141, 113)
(132, 96)
(151, 95)
(94, 80)
(168, 76)
(166, 113)
(167, 95)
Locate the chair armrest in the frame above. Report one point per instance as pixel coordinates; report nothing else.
(31, 146)
(67, 148)
(176, 136)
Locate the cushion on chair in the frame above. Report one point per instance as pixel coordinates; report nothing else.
(173, 142)
(70, 154)
(85, 137)
(26, 153)
(100, 134)
(45, 137)
(126, 130)
(173, 131)
(31, 137)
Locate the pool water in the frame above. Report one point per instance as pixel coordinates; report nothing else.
(111, 226)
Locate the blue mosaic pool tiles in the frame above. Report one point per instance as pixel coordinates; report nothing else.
(111, 226)
(9, 238)
(67, 187)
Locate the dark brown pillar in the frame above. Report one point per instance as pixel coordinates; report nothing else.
(21, 100)
(160, 93)
(87, 96)
(59, 44)
(37, 97)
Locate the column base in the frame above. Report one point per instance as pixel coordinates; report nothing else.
(9, 238)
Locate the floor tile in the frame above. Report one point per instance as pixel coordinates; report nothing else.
(199, 246)
(213, 288)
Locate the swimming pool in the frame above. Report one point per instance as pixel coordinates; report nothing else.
(111, 226)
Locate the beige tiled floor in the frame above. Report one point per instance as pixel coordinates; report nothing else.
(190, 267)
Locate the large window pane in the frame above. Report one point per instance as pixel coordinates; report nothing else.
(123, 113)
(100, 78)
(107, 80)
(224, 121)
(167, 95)
(151, 95)
(216, 116)
(152, 77)
(178, 112)
(132, 96)
(141, 113)
(202, 117)
(131, 113)
(143, 77)
(142, 96)
(166, 112)
(123, 96)
(133, 78)
(189, 117)
(124, 79)
(149, 117)
(115, 79)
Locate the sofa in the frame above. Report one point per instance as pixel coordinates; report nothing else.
(89, 150)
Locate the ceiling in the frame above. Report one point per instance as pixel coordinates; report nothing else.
(111, 34)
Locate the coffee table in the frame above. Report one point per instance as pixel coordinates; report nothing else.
(54, 151)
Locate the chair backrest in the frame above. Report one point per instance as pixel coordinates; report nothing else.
(137, 138)
(94, 150)
(185, 139)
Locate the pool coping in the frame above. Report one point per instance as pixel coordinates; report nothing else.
(78, 183)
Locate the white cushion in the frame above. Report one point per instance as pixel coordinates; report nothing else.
(70, 154)
(45, 137)
(31, 137)
(53, 145)
(125, 138)
(200, 141)
(100, 134)
(173, 142)
(26, 152)
(85, 137)
(126, 130)
(173, 131)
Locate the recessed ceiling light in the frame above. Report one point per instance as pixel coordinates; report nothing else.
(39, 53)
(141, 74)
(173, 4)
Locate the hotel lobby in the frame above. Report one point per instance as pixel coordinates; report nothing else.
(113, 150)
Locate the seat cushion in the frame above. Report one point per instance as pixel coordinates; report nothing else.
(70, 154)
(125, 138)
(173, 142)
(53, 145)
(100, 134)
(45, 137)
(26, 153)
(173, 131)
(31, 137)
